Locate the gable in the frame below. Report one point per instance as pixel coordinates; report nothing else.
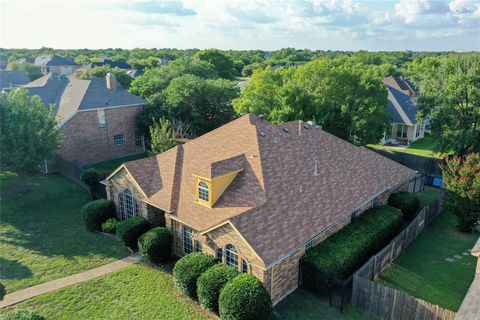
(120, 180)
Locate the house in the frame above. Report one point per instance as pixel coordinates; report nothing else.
(11, 79)
(96, 116)
(256, 195)
(470, 308)
(402, 109)
(114, 64)
(51, 63)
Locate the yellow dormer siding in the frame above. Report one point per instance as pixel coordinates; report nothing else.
(216, 187)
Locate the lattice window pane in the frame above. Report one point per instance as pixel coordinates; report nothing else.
(187, 240)
(231, 256)
(203, 192)
(244, 266)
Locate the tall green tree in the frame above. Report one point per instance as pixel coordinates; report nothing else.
(162, 136)
(32, 71)
(450, 96)
(100, 72)
(29, 131)
(222, 63)
(462, 180)
(347, 99)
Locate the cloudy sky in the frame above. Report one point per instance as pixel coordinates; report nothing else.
(268, 25)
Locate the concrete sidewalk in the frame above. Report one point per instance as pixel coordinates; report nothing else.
(21, 295)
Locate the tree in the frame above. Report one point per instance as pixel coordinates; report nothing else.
(462, 180)
(162, 135)
(450, 96)
(222, 63)
(29, 130)
(347, 99)
(204, 103)
(32, 71)
(100, 72)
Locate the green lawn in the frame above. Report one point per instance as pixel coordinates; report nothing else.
(423, 271)
(110, 165)
(422, 147)
(135, 292)
(304, 305)
(42, 237)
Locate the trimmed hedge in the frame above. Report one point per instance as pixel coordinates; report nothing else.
(344, 252)
(129, 230)
(211, 282)
(156, 245)
(187, 270)
(405, 201)
(21, 314)
(3, 292)
(110, 226)
(97, 212)
(244, 298)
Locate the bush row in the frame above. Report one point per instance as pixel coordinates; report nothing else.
(407, 202)
(221, 289)
(345, 251)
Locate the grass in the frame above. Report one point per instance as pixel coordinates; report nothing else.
(42, 237)
(422, 147)
(110, 165)
(135, 292)
(304, 305)
(423, 272)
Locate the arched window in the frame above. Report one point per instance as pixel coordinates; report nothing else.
(231, 256)
(203, 192)
(128, 205)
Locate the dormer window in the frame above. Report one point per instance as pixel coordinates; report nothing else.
(203, 191)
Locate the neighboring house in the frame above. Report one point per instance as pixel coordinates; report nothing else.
(256, 195)
(470, 308)
(51, 63)
(402, 109)
(12, 79)
(97, 116)
(113, 64)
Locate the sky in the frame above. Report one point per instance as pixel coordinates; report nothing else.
(419, 25)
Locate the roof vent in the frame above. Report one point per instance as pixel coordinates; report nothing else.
(315, 172)
(285, 130)
(306, 126)
(262, 134)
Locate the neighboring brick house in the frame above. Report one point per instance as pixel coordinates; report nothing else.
(402, 109)
(256, 195)
(51, 63)
(96, 116)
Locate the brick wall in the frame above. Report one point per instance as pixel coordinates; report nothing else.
(86, 141)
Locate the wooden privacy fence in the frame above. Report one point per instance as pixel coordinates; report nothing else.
(387, 303)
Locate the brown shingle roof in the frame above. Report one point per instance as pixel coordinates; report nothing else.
(292, 185)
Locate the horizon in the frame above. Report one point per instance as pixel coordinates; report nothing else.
(268, 25)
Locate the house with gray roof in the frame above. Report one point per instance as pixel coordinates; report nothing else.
(402, 109)
(97, 116)
(51, 63)
(12, 79)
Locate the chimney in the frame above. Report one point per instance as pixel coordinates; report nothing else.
(111, 81)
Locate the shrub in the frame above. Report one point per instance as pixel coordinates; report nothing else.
(407, 202)
(3, 292)
(129, 230)
(21, 314)
(110, 226)
(156, 245)
(244, 298)
(187, 270)
(345, 251)
(211, 282)
(97, 212)
(90, 177)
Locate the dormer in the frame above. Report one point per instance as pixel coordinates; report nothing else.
(211, 182)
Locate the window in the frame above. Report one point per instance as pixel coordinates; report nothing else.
(203, 193)
(401, 131)
(138, 139)
(128, 205)
(219, 254)
(101, 117)
(118, 140)
(198, 246)
(231, 256)
(309, 244)
(187, 240)
(417, 130)
(244, 266)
